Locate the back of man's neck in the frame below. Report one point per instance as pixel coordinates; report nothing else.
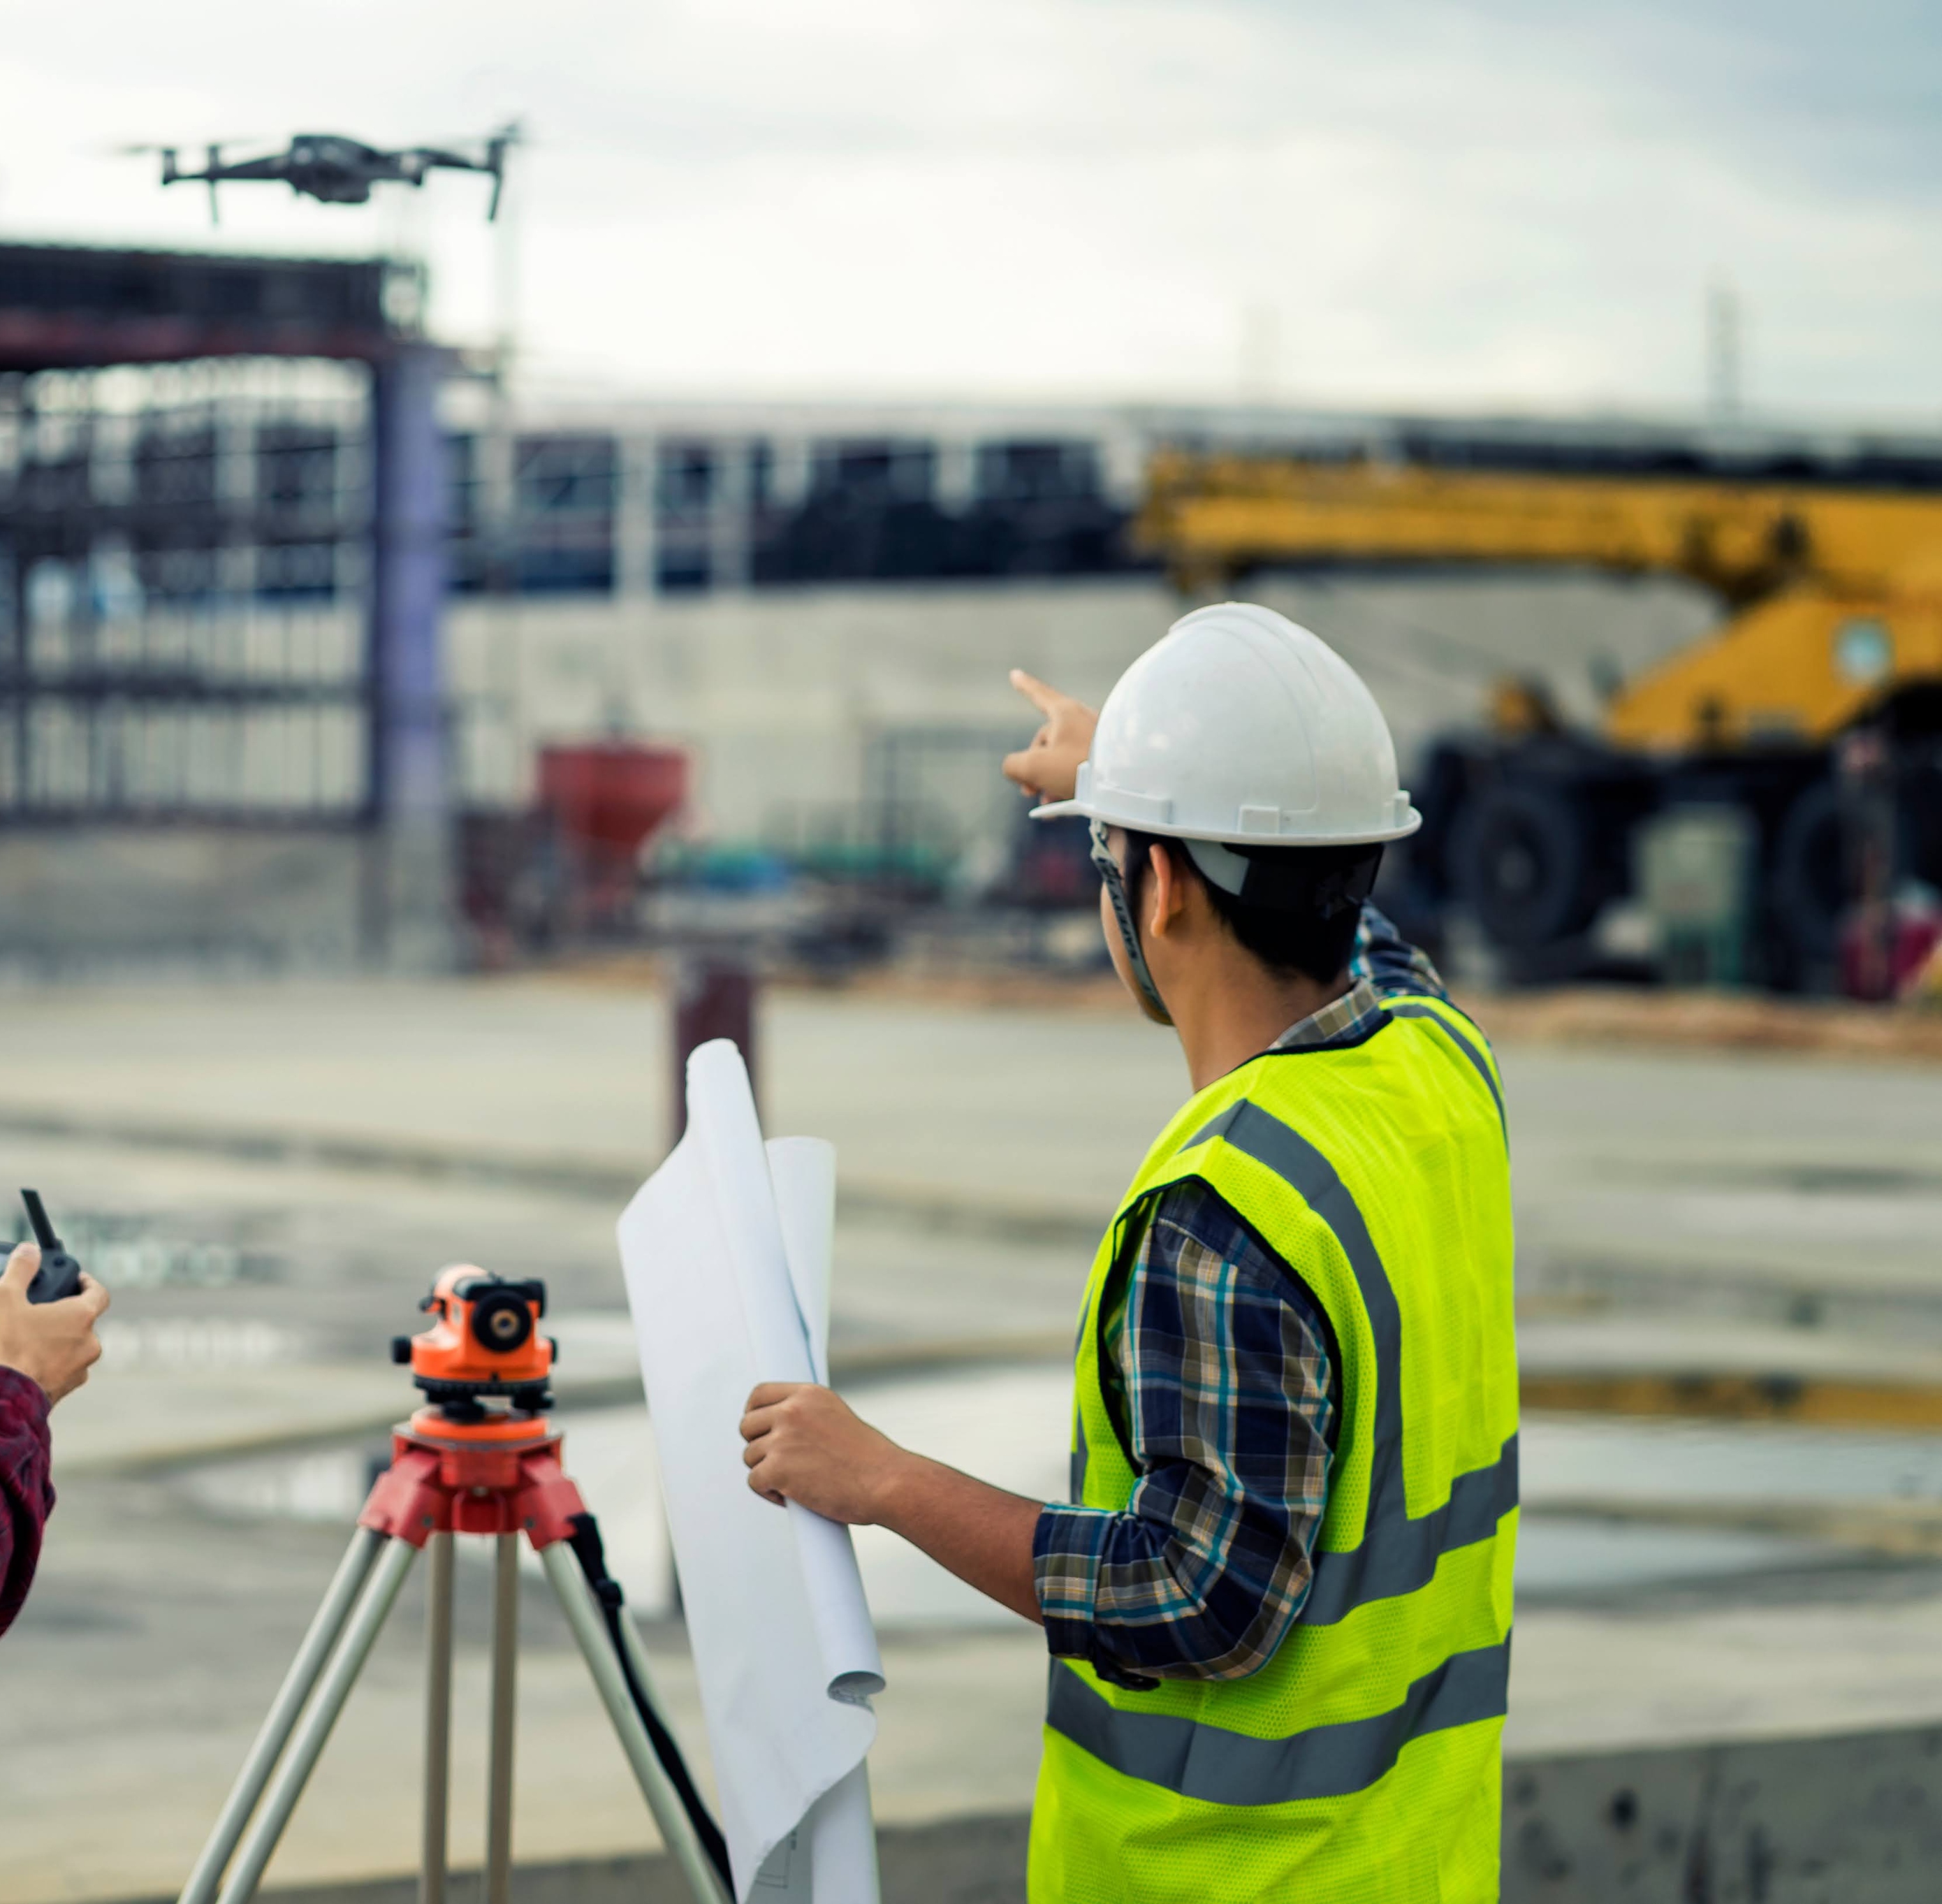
(1238, 1016)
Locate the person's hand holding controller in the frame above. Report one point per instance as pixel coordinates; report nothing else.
(53, 1344)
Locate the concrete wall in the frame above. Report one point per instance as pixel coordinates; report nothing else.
(786, 697)
(82, 898)
(781, 692)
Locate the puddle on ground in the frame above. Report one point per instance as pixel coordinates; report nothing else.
(128, 1250)
(1010, 1427)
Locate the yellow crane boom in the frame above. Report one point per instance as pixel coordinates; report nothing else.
(1831, 588)
(1834, 594)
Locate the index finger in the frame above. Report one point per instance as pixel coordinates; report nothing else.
(93, 1295)
(1044, 698)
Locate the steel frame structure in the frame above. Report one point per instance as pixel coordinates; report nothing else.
(221, 542)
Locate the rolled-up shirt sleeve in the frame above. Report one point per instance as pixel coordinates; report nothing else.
(1396, 968)
(1225, 1399)
(26, 1494)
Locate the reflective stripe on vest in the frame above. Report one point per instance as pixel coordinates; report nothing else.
(1324, 1761)
(1409, 1008)
(1380, 1710)
(1396, 1555)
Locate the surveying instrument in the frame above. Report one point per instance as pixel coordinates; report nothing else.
(479, 1458)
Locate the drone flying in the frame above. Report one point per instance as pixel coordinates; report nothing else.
(339, 171)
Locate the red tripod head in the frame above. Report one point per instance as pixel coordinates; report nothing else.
(484, 1342)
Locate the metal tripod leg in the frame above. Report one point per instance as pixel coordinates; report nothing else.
(307, 1743)
(576, 1600)
(505, 1668)
(438, 1718)
(285, 1708)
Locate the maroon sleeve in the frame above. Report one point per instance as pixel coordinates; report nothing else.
(26, 1495)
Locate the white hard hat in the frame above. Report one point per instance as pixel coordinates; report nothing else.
(1240, 726)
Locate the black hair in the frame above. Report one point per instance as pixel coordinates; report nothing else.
(1310, 931)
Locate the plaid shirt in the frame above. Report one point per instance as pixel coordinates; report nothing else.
(1221, 1382)
(26, 1495)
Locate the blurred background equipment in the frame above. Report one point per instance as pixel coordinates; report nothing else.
(1826, 566)
(1694, 863)
(221, 576)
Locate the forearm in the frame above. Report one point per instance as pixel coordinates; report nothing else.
(26, 1496)
(978, 1532)
(1395, 968)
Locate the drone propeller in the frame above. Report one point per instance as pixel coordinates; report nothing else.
(136, 148)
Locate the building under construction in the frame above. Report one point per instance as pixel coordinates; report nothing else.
(286, 593)
(221, 570)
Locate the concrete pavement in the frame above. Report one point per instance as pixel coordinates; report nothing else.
(252, 1179)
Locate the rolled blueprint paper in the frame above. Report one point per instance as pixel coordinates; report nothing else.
(843, 1840)
(830, 1858)
(722, 1108)
(803, 1172)
(715, 1311)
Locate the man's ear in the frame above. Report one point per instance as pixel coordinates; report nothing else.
(1167, 887)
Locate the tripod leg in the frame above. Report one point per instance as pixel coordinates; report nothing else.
(438, 1718)
(637, 1657)
(576, 1601)
(327, 1623)
(505, 1667)
(307, 1744)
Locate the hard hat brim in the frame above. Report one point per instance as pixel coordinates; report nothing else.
(1103, 811)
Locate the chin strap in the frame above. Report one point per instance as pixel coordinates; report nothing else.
(1129, 937)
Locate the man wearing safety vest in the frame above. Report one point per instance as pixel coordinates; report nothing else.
(1280, 1604)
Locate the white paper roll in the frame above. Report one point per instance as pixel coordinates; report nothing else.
(783, 1648)
(803, 1172)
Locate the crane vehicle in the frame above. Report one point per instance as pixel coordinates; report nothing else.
(1814, 708)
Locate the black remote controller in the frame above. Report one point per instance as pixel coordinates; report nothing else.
(59, 1276)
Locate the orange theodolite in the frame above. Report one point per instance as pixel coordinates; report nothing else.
(479, 1458)
(483, 1342)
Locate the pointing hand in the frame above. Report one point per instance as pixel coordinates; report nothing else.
(1049, 768)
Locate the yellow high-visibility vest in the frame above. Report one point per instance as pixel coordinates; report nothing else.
(1361, 1763)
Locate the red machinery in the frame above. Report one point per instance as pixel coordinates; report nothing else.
(609, 797)
(568, 862)
(606, 801)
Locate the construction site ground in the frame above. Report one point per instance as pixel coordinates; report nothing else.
(1728, 1262)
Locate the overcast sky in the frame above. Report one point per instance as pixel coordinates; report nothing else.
(1520, 203)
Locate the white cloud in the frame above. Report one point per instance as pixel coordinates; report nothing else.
(1443, 204)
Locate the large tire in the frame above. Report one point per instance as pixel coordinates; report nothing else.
(1520, 862)
(1808, 892)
